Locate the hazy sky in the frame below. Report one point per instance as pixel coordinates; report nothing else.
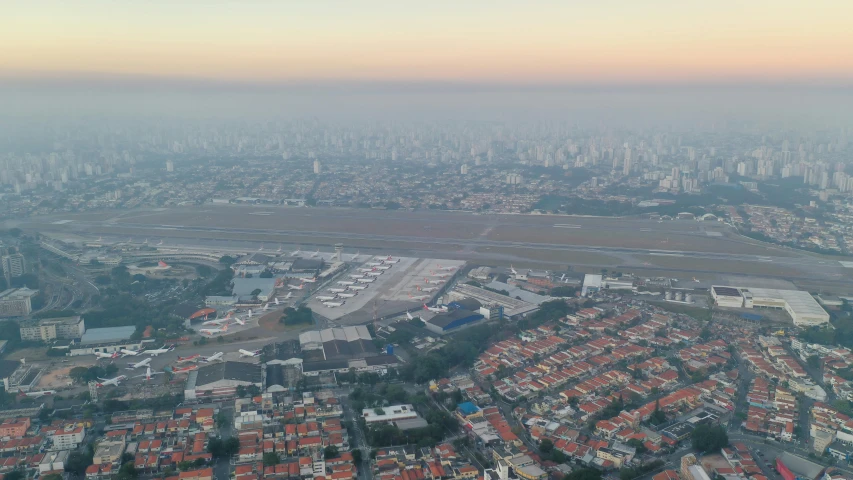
(468, 41)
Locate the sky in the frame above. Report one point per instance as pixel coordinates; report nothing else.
(437, 42)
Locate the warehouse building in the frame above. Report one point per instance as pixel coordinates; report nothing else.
(800, 305)
(339, 343)
(50, 329)
(222, 379)
(107, 335)
(444, 323)
(511, 307)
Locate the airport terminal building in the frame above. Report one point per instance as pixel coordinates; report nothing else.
(800, 305)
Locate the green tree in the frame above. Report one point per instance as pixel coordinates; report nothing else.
(270, 459)
(227, 260)
(546, 446)
(357, 457)
(706, 438)
(584, 474)
(14, 475)
(813, 361)
(127, 472)
(330, 452)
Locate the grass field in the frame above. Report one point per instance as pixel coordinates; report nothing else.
(698, 313)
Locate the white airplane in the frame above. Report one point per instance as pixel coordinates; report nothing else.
(134, 366)
(356, 275)
(286, 297)
(160, 242)
(217, 321)
(111, 381)
(38, 394)
(448, 269)
(262, 248)
(247, 353)
(374, 274)
(149, 374)
(107, 355)
(332, 304)
(250, 314)
(440, 275)
(512, 270)
(374, 264)
(439, 309)
(695, 280)
(325, 298)
(265, 307)
(214, 331)
(216, 356)
(295, 253)
(158, 351)
(357, 287)
(354, 257)
(131, 353)
(300, 287)
(345, 282)
(347, 295)
(427, 289)
(365, 270)
(384, 267)
(337, 290)
(240, 321)
(366, 280)
(391, 260)
(419, 297)
(310, 280)
(409, 316)
(314, 255)
(276, 299)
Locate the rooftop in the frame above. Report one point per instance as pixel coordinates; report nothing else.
(105, 335)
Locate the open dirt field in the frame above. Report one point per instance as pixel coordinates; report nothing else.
(57, 378)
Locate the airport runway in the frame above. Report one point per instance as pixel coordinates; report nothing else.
(537, 240)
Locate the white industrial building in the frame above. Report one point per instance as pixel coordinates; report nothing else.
(800, 305)
(389, 414)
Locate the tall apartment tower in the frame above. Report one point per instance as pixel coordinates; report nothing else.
(317, 167)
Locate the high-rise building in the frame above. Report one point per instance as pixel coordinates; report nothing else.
(317, 167)
(170, 166)
(13, 265)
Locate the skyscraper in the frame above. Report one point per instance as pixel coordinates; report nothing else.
(317, 167)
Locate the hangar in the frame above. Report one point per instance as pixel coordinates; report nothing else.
(222, 379)
(340, 343)
(444, 323)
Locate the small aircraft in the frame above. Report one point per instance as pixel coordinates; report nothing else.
(131, 353)
(111, 381)
(325, 298)
(512, 270)
(247, 353)
(214, 331)
(107, 355)
(286, 297)
(191, 358)
(365, 270)
(300, 287)
(216, 356)
(275, 299)
(347, 295)
(314, 255)
(310, 280)
(695, 280)
(143, 363)
(160, 242)
(357, 287)
(332, 304)
(439, 309)
(158, 351)
(295, 253)
(419, 297)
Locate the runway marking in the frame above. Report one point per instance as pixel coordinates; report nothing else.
(566, 225)
(764, 259)
(645, 229)
(846, 264)
(667, 254)
(260, 213)
(62, 222)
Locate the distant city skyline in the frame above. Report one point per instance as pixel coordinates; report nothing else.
(497, 43)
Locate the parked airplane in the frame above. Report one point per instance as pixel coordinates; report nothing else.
(365, 270)
(409, 316)
(133, 366)
(217, 321)
(419, 297)
(186, 369)
(383, 267)
(332, 304)
(347, 295)
(216, 356)
(325, 298)
(391, 260)
(247, 353)
(427, 289)
(300, 287)
(357, 287)
(354, 257)
(366, 280)
(286, 297)
(374, 264)
(446, 268)
(345, 282)
(266, 307)
(695, 280)
(295, 253)
(239, 321)
(149, 374)
(191, 358)
(338, 290)
(440, 275)
(439, 309)
(512, 270)
(40, 393)
(160, 242)
(310, 280)
(111, 381)
(275, 300)
(132, 353)
(356, 275)
(214, 331)
(250, 314)
(107, 355)
(158, 351)
(374, 274)
(314, 255)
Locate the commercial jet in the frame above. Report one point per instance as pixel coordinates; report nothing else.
(191, 358)
(131, 353)
(216, 356)
(186, 369)
(419, 297)
(158, 351)
(149, 374)
(113, 355)
(310, 280)
(348, 295)
(143, 363)
(326, 298)
(295, 253)
(439, 309)
(247, 353)
(357, 287)
(427, 289)
(332, 304)
(214, 331)
(314, 255)
(300, 287)
(111, 381)
(337, 290)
